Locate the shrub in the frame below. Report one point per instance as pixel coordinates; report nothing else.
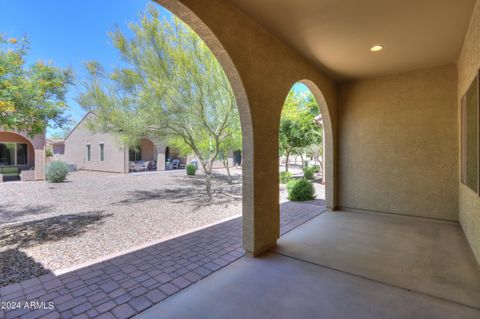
(308, 172)
(285, 177)
(56, 172)
(191, 169)
(49, 152)
(317, 168)
(300, 190)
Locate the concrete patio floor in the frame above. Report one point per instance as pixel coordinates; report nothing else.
(344, 265)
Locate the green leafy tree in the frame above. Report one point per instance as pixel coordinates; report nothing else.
(31, 97)
(170, 87)
(298, 128)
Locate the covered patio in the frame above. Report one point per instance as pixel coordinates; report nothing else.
(344, 265)
(21, 157)
(401, 235)
(152, 155)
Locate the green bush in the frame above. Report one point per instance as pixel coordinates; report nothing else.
(317, 168)
(191, 169)
(56, 172)
(49, 152)
(308, 172)
(300, 190)
(285, 177)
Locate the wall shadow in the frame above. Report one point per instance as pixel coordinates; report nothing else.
(16, 266)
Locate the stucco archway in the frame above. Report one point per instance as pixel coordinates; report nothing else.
(207, 35)
(35, 157)
(329, 165)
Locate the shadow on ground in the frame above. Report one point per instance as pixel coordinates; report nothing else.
(192, 192)
(16, 266)
(8, 215)
(49, 229)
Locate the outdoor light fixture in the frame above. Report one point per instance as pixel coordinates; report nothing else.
(376, 48)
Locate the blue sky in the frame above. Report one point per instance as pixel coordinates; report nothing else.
(69, 33)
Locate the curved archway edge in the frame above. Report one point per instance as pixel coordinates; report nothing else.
(207, 35)
(330, 189)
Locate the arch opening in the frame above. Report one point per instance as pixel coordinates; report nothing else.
(16, 151)
(305, 133)
(206, 34)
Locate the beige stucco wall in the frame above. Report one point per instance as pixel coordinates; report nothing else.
(76, 149)
(398, 144)
(468, 66)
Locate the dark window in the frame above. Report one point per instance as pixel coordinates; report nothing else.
(7, 154)
(88, 153)
(134, 154)
(102, 155)
(22, 154)
(470, 136)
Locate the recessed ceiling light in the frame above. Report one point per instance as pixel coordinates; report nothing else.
(376, 48)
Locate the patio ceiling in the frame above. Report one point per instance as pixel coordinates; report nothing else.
(337, 35)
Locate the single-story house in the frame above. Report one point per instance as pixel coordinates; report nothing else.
(102, 151)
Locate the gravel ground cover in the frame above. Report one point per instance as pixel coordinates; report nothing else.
(47, 226)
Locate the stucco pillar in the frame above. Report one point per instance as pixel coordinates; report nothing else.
(160, 157)
(261, 219)
(40, 164)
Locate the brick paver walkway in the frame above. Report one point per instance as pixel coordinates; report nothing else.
(126, 285)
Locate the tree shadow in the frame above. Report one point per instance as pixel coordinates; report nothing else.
(186, 195)
(49, 229)
(9, 215)
(16, 266)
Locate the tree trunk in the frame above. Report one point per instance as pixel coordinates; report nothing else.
(208, 185)
(208, 179)
(287, 160)
(303, 161)
(229, 176)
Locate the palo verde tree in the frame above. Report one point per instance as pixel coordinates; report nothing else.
(31, 97)
(232, 142)
(170, 87)
(298, 129)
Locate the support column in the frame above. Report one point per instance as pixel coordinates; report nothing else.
(160, 157)
(40, 164)
(261, 209)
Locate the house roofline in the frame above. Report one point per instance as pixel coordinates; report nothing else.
(78, 124)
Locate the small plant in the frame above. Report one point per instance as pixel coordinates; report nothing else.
(191, 169)
(308, 172)
(49, 152)
(300, 190)
(317, 168)
(285, 177)
(56, 172)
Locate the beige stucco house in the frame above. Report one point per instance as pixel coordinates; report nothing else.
(27, 153)
(98, 151)
(102, 151)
